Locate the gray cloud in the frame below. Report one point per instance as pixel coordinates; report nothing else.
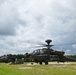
(8, 18)
(35, 21)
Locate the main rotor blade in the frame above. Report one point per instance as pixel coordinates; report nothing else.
(49, 45)
(63, 44)
(41, 46)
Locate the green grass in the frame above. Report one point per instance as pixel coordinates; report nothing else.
(24, 69)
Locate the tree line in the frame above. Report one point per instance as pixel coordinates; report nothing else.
(21, 57)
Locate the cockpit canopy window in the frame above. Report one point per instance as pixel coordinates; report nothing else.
(38, 51)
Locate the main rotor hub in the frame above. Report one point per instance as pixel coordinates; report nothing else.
(48, 41)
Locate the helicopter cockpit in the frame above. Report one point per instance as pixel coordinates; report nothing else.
(38, 51)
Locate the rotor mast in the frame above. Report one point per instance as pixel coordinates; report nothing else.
(48, 43)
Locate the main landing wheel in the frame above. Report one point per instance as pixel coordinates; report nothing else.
(46, 63)
(40, 63)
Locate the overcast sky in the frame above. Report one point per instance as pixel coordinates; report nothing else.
(26, 23)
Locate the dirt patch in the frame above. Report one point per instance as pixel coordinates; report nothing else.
(25, 68)
(57, 64)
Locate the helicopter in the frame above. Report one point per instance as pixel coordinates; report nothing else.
(47, 54)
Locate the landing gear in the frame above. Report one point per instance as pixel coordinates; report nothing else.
(40, 63)
(46, 63)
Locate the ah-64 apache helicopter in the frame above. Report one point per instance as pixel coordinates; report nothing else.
(46, 54)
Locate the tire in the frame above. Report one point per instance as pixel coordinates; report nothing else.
(46, 63)
(40, 63)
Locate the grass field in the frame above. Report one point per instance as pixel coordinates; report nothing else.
(28, 69)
